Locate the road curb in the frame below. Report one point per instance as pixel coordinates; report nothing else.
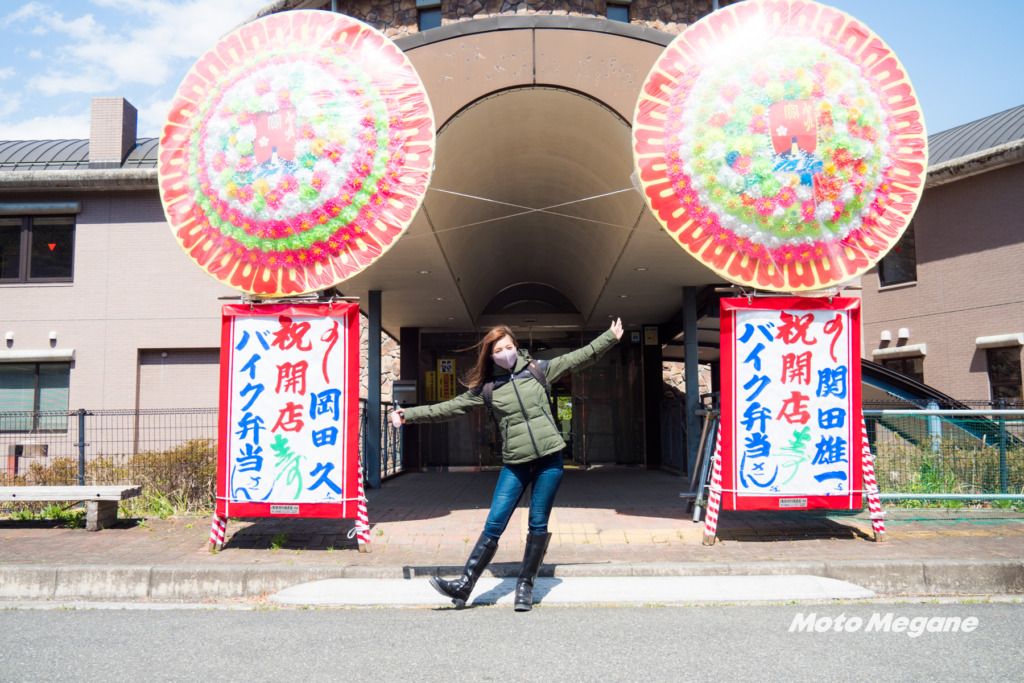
(199, 583)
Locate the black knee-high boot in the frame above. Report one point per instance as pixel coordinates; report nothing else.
(459, 589)
(536, 546)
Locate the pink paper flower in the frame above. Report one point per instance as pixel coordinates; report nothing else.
(719, 119)
(807, 212)
(319, 180)
(220, 161)
(288, 184)
(729, 92)
(764, 206)
(688, 198)
(842, 157)
(786, 197)
(245, 194)
(333, 152)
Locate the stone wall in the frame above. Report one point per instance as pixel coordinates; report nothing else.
(673, 374)
(390, 357)
(397, 18)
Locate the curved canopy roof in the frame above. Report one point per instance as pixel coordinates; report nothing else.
(67, 155)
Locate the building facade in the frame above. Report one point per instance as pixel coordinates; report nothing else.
(533, 103)
(946, 306)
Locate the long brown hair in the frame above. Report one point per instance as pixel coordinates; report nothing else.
(481, 371)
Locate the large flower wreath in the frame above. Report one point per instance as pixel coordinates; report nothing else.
(780, 143)
(297, 151)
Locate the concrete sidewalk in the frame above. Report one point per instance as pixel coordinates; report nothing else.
(615, 522)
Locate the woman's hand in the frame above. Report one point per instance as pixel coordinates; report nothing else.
(617, 328)
(397, 417)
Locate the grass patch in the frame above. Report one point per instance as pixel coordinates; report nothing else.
(72, 519)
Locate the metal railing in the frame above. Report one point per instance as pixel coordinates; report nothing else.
(391, 460)
(173, 451)
(948, 453)
(922, 454)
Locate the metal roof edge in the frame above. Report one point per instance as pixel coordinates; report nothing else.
(93, 179)
(979, 162)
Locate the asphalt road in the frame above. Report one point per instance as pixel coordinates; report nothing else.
(563, 644)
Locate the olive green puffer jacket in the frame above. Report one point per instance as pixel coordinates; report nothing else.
(520, 406)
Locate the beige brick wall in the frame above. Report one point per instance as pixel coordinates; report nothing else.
(970, 280)
(112, 131)
(134, 288)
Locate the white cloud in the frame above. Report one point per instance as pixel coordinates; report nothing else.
(82, 28)
(137, 49)
(52, 83)
(9, 103)
(156, 38)
(152, 117)
(48, 128)
(27, 11)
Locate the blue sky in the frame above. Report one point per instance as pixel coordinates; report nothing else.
(963, 58)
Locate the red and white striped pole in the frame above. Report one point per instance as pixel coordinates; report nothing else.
(362, 518)
(220, 525)
(871, 487)
(715, 494)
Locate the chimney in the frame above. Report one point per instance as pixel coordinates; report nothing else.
(111, 132)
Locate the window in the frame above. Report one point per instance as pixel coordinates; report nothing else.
(39, 389)
(618, 11)
(900, 264)
(429, 12)
(37, 248)
(1004, 375)
(912, 366)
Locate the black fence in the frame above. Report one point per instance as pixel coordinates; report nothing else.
(173, 452)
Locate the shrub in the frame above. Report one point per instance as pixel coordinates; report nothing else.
(186, 475)
(179, 480)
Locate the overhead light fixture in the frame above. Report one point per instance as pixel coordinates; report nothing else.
(623, 296)
(641, 268)
(438, 298)
(424, 272)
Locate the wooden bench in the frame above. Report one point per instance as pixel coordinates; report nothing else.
(101, 501)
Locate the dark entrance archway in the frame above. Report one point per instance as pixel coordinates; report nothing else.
(532, 220)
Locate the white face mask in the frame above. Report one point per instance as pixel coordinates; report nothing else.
(506, 358)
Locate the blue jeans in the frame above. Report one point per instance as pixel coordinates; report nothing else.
(546, 476)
